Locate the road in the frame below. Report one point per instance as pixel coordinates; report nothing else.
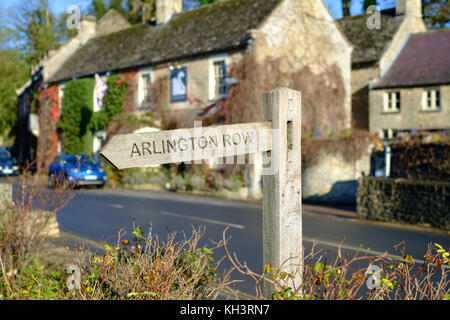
(99, 214)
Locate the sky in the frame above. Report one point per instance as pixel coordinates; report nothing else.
(59, 6)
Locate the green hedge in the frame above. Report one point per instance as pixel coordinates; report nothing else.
(409, 201)
(77, 113)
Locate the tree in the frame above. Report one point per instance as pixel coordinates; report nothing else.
(203, 2)
(34, 29)
(368, 3)
(141, 11)
(28, 31)
(13, 74)
(436, 13)
(100, 7)
(346, 7)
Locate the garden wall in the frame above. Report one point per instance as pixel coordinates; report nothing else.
(332, 166)
(409, 201)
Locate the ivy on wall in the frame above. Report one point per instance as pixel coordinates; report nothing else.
(46, 106)
(77, 114)
(79, 121)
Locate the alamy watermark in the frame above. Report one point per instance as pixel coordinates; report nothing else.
(374, 20)
(74, 19)
(74, 280)
(374, 281)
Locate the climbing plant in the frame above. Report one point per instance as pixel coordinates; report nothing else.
(77, 114)
(46, 106)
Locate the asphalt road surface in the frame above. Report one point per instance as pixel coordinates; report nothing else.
(99, 214)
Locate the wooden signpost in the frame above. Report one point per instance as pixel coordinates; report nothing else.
(278, 137)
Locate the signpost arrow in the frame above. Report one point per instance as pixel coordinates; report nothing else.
(182, 145)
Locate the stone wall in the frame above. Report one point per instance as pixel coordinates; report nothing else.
(198, 81)
(111, 22)
(360, 95)
(295, 37)
(409, 201)
(333, 179)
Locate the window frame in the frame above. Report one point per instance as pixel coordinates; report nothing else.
(392, 101)
(61, 93)
(99, 139)
(142, 104)
(213, 95)
(431, 99)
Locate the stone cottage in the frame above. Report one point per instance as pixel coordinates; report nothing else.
(375, 49)
(414, 93)
(199, 56)
(30, 126)
(194, 51)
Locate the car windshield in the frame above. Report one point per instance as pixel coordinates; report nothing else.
(80, 160)
(5, 156)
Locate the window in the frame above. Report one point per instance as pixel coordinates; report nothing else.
(388, 134)
(62, 88)
(145, 80)
(431, 100)
(218, 75)
(393, 102)
(99, 140)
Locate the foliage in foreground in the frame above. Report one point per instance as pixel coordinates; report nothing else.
(382, 277)
(140, 268)
(149, 269)
(143, 269)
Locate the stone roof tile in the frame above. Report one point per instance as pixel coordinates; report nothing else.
(424, 60)
(217, 27)
(369, 45)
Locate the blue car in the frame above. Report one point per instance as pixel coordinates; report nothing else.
(78, 170)
(8, 165)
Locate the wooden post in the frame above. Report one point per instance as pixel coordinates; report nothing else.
(282, 197)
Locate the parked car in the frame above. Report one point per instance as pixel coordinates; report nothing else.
(78, 170)
(8, 165)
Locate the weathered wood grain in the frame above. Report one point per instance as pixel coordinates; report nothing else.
(182, 145)
(282, 215)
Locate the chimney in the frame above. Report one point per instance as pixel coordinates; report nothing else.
(410, 8)
(165, 9)
(87, 28)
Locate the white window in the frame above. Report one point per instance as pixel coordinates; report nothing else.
(392, 102)
(431, 100)
(387, 134)
(218, 89)
(99, 140)
(145, 80)
(61, 90)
